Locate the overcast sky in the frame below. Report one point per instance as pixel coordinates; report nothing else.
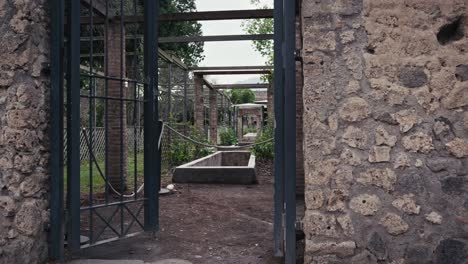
(231, 53)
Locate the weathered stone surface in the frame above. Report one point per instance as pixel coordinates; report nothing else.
(350, 157)
(314, 198)
(8, 206)
(355, 137)
(415, 254)
(385, 118)
(377, 246)
(451, 251)
(394, 224)
(407, 119)
(323, 171)
(441, 129)
(382, 137)
(412, 77)
(342, 249)
(319, 224)
(28, 217)
(346, 224)
(418, 142)
(365, 204)
(434, 218)
(348, 36)
(379, 154)
(407, 204)
(453, 185)
(336, 200)
(461, 72)
(458, 97)
(458, 147)
(402, 161)
(354, 109)
(444, 164)
(384, 178)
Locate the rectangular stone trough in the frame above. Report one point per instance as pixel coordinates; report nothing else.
(229, 167)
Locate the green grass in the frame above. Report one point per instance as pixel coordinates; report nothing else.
(98, 181)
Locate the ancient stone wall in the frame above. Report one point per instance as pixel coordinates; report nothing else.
(386, 131)
(24, 86)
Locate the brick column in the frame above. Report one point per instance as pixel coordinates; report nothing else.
(198, 103)
(117, 132)
(213, 116)
(270, 102)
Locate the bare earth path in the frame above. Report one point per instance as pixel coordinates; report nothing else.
(207, 224)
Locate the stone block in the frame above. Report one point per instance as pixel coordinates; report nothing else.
(418, 142)
(354, 109)
(382, 137)
(412, 77)
(394, 224)
(406, 204)
(355, 137)
(341, 249)
(365, 204)
(379, 154)
(434, 218)
(384, 178)
(458, 147)
(407, 119)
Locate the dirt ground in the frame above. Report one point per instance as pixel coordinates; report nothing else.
(207, 223)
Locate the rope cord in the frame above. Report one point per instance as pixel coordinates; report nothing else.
(214, 146)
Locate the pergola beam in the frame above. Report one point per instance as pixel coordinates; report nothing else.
(232, 72)
(191, 16)
(242, 86)
(186, 39)
(231, 68)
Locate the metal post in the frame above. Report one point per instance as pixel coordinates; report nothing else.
(73, 127)
(290, 134)
(56, 235)
(279, 130)
(152, 160)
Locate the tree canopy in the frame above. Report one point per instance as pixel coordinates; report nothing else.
(190, 53)
(242, 96)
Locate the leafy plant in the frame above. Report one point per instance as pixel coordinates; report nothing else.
(266, 150)
(242, 96)
(228, 137)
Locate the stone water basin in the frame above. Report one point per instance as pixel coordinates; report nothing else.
(229, 167)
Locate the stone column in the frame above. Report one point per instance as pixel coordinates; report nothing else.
(24, 134)
(240, 114)
(213, 116)
(117, 132)
(198, 102)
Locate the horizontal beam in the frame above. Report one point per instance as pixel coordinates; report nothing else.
(191, 16)
(242, 86)
(231, 68)
(231, 72)
(185, 39)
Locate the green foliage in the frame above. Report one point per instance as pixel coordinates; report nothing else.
(267, 150)
(262, 26)
(242, 96)
(182, 151)
(190, 53)
(228, 137)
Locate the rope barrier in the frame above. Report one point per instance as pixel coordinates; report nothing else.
(214, 146)
(159, 147)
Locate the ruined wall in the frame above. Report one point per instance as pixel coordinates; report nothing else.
(23, 131)
(386, 131)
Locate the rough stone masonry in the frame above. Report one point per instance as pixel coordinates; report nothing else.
(386, 131)
(24, 89)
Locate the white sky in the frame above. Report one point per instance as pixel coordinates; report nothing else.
(231, 53)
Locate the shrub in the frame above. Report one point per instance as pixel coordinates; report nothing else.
(182, 150)
(228, 137)
(266, 150)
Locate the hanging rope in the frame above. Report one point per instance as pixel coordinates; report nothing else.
(215, 146)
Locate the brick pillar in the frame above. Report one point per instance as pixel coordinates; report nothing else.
(240, 115)
(300, 177)
(270, 104)
(198, 103)
(213, 116)
(117, 132)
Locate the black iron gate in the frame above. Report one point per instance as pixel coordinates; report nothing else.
(285, 139)
(103, 84)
